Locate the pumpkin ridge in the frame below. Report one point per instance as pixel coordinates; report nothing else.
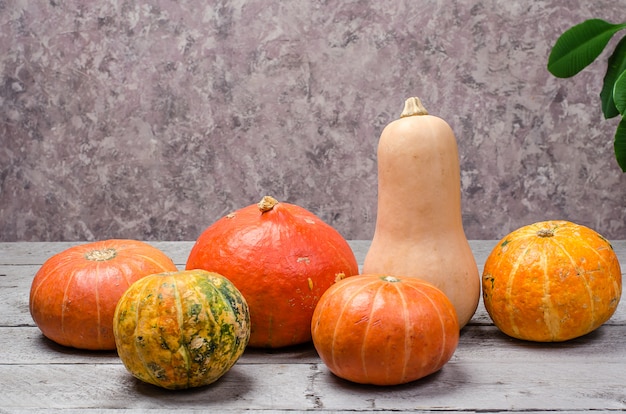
(63, 308)
(608, 265)
(346, 305)
(551, 323)
(226, 296)
(139, 351)
(509, 286)
(439, 317)
(597, 252)
(407, 329)
(212, 313)
(96, 292)
(149, 259)
(583, 277)
(180, 322)
(367, 329)
(229, 294)
(46, 276)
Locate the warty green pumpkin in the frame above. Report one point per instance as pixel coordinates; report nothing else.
(181, 329)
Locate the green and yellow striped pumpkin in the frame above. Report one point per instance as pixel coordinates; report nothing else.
(181, 329)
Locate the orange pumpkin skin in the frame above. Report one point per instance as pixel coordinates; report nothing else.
(74, 294)
(551, 281)
(282, 258)
(384, 330)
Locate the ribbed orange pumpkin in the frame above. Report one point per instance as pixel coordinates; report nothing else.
(551, 281)
(282, 258)
(384, 330)
(74, 294)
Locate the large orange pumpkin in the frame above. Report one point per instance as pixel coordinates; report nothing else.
(282, 258)
(384, 330)
(74, 294)
(551, 281)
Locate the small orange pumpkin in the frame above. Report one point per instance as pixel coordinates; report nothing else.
(551, 281)
(74, 293)
(384, 330)
(282, 258)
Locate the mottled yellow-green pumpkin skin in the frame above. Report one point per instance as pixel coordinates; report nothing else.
(181, 329)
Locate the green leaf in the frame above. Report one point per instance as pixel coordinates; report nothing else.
(619, 93)
(620, 144)
(615, 67)
(580, 45)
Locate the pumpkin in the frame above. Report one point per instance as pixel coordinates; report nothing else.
(551, 281)
(181, 329)
(384, 330)
(282, 258)
(419, 229)
(74, 293)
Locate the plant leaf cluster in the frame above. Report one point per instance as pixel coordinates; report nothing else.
(577, 48)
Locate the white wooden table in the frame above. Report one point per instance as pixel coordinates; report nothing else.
(489, 371)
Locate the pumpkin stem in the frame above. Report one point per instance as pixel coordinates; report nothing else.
(545, 233)
(412, 107)
(267, 203)
(101, 255)
(390, 279)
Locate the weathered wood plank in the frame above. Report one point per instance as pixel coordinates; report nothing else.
(84, 386)
(477, 343)
(34, 348)
(486, 387)
(460, 385)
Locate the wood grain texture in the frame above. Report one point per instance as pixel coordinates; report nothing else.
(489, 372)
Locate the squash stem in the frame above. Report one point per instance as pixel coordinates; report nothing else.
(267, 203)
(545, 233)
(413, 107)
(101, 255)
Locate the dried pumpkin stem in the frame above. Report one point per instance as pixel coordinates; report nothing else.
(101, 255)
(413, 107)
(390, 279)
(267, 203)
(545, 233)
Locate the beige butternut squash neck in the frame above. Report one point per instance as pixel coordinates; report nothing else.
(413, 107)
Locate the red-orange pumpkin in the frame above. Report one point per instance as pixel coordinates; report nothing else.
(384, 330)
(282, 258)
(551, 281)
(74, 294)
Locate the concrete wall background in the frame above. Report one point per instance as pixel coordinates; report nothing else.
(151, 121)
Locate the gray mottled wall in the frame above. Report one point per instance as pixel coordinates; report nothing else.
(150, 120)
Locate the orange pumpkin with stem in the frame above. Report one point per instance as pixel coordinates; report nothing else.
(282, 258)
(384, 330)
(74, 294)
(551, 281)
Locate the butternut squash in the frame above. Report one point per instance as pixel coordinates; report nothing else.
(419, 229)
